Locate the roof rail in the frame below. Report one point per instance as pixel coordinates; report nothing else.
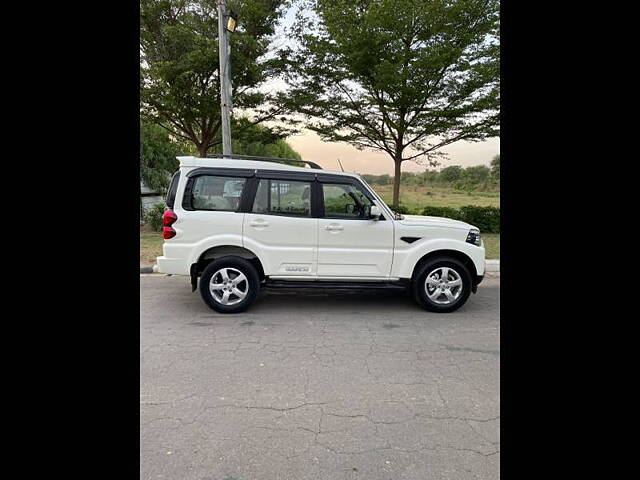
(264, 159)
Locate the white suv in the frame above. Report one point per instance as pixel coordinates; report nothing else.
(240, 225)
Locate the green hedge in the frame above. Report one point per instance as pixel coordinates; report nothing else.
(487, 219)
(153, 217)
(404, 210)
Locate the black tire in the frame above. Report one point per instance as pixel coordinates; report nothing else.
(419, 288)
(237, 264)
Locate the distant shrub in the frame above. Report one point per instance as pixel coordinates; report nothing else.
(404, 210)
(447, 212)
(487, 219)
(153, 216)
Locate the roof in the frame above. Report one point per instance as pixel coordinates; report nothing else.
(237, 163)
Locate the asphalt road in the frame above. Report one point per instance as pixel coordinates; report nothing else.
(356, 386)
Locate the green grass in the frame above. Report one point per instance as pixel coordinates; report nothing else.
(492, 245)
(417, 197)
(150, 246)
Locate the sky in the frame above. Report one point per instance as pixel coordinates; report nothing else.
(312, 148)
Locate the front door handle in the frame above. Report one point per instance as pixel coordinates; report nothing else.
(259, 223)
(334, 227)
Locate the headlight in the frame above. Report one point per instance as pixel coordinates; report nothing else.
(474, 237)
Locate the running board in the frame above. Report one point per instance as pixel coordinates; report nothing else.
(336, 285)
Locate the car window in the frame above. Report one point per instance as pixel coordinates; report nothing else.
(173, 188)
(217, 193)
(283, 197)
(345, 201)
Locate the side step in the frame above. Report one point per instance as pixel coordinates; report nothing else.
(336, 285)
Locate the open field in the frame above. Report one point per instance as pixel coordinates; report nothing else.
(418, 197)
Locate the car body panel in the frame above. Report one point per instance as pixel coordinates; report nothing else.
(354, 248)
(288, 245)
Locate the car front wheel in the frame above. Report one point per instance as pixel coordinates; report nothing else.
(442, 285)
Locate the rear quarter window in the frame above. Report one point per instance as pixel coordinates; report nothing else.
(216, 193)
(173, 188)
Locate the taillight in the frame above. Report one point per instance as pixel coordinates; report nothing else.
(168, 219)
(168, 232)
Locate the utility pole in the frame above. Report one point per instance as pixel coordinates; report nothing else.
(225, 78)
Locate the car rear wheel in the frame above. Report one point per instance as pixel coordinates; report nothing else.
(229, 285)
(442, 284)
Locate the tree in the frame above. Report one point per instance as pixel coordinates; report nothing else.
(450, 174)
(495, 168)
(260, 140)
(179, 71)
(407, 77)
(158, 153)
(477, 174)
(384, 179)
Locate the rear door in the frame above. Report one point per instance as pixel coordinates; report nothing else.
(279, 225)
(350, 243)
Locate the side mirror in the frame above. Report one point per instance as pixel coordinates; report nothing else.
(375, 212)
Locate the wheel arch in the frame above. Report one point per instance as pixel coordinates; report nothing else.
(462, 257)
(220, 251)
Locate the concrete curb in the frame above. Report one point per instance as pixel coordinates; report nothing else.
(492, 265)
(149, 268)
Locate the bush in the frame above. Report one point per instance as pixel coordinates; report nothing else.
(487, 219)
(153, 216)
(404, 210)
(447, 212)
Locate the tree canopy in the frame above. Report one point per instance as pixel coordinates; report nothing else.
(159, 149)
(158, 153)
(179, 71)
(259, 140)
(406, 77)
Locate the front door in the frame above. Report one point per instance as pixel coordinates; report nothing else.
(281, 229)
(350, 243)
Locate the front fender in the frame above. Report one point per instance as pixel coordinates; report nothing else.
(405, 259)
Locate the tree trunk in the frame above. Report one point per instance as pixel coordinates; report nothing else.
(202, 150)
(396, 183)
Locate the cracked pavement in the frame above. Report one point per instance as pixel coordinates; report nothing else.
(318, 386)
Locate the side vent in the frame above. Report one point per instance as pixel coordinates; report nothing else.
(410, 239)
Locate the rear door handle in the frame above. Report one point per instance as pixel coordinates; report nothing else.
(333, 227)
(259, 223)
